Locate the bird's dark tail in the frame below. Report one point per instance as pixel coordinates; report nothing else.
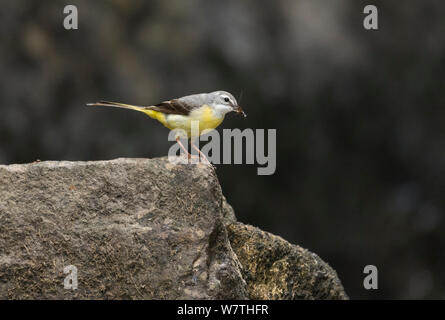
(116, 105)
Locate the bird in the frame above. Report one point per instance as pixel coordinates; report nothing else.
(207, 109)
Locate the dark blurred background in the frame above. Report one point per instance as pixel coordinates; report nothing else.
(359, 114)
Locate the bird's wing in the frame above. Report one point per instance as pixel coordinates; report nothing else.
(174, 106)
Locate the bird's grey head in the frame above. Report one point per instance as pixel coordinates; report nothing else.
(225, 102)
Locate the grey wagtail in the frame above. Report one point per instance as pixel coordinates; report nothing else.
(208, 109)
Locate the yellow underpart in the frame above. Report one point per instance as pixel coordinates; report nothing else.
(205, 117)
(156, 115)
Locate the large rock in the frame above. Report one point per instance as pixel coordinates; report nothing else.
(275, 269)
(141, 229)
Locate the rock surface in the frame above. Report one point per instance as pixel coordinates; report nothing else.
(141, 229)
(275, 269)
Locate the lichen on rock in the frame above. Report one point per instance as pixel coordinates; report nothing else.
(275, 269)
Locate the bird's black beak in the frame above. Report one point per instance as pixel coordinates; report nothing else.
(240, 111)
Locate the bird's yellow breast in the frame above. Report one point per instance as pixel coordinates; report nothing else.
(205, 117)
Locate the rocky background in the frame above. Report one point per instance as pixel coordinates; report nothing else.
(359, 114)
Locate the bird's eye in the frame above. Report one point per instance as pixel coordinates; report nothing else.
(226, 99)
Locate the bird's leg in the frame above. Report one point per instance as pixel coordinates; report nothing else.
(183, 148)
(201, 155)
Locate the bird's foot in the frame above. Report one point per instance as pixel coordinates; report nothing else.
(187, 158)
(203, 159)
